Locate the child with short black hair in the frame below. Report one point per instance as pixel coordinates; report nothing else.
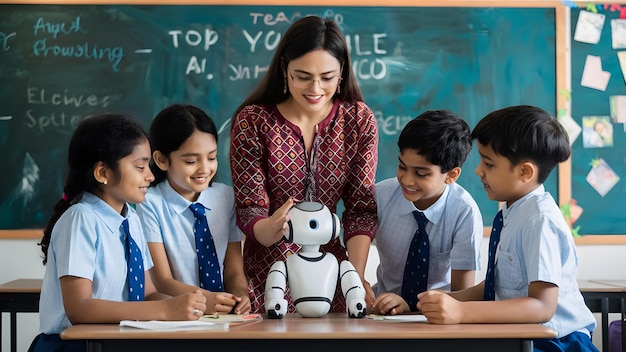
(433, 147)
(532, 259)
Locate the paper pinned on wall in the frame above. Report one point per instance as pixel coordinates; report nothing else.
(601, 177)
(593, 75)
(589, 27)
(571, 127)
(597, 132)
(618, 108)
(621, 57)
(618, 33)
(575, 211)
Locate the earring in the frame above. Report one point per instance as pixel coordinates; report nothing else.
(339, 88)
(105, 182)
(284, 85)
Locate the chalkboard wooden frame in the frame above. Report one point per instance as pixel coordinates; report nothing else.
(564, 170)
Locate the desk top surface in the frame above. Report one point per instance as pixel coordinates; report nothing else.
(331, 326)
(22, 286)
(602, 285)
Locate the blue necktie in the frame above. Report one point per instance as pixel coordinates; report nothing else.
(490, 292)
(209, 266)
(415, 278)
(135, 272)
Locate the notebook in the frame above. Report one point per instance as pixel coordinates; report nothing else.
(232, 319)
(174, 325)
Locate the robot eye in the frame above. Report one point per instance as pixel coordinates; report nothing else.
(313, 224)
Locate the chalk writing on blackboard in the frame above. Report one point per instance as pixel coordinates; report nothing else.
(60, 64)
(81, 49)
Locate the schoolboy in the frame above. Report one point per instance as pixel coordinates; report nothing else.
(433, 147)
(534, 266)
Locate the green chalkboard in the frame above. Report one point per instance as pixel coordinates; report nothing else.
(61, 63)
(603, 208)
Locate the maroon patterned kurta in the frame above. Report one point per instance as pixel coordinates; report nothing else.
(269, 165)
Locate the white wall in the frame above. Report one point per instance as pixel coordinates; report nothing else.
(20, 259)
(595, 262)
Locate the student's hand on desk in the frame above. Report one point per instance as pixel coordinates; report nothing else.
(243, 305)
(390, 303)
(439, 307)
(189, 306)
(271, 230)
(220, 302)
(370, 297)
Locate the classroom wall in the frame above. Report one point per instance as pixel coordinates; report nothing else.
(20, 259)
(407, 59)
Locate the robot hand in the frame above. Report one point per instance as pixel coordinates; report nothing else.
(275, 303)
(353, 290)
(276, 308)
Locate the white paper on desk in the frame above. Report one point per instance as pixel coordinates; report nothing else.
(409, 318)
(173, 325)
(589, 27)
(414, 318)
(593, 76)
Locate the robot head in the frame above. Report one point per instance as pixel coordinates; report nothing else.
(312, 223)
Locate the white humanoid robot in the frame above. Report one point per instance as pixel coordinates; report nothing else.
(312, 275)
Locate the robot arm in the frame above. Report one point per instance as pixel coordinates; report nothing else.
(353, 290)
(275, 286)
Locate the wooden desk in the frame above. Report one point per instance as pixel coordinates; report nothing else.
(334, 332)
(18, 296)
(606, 296)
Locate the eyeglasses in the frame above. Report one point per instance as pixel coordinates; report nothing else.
(307, 82)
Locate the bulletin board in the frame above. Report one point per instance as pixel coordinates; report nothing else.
(598, 82)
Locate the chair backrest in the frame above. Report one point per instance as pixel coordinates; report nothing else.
(615, 336)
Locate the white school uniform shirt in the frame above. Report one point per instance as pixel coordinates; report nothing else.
(455, 232)
(167, 219)
(536, 244)
(88, 241)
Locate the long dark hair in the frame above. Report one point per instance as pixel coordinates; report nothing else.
(308, 34)
(171, 128)
(105, 138)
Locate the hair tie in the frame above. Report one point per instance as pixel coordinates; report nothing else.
(65, 197)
